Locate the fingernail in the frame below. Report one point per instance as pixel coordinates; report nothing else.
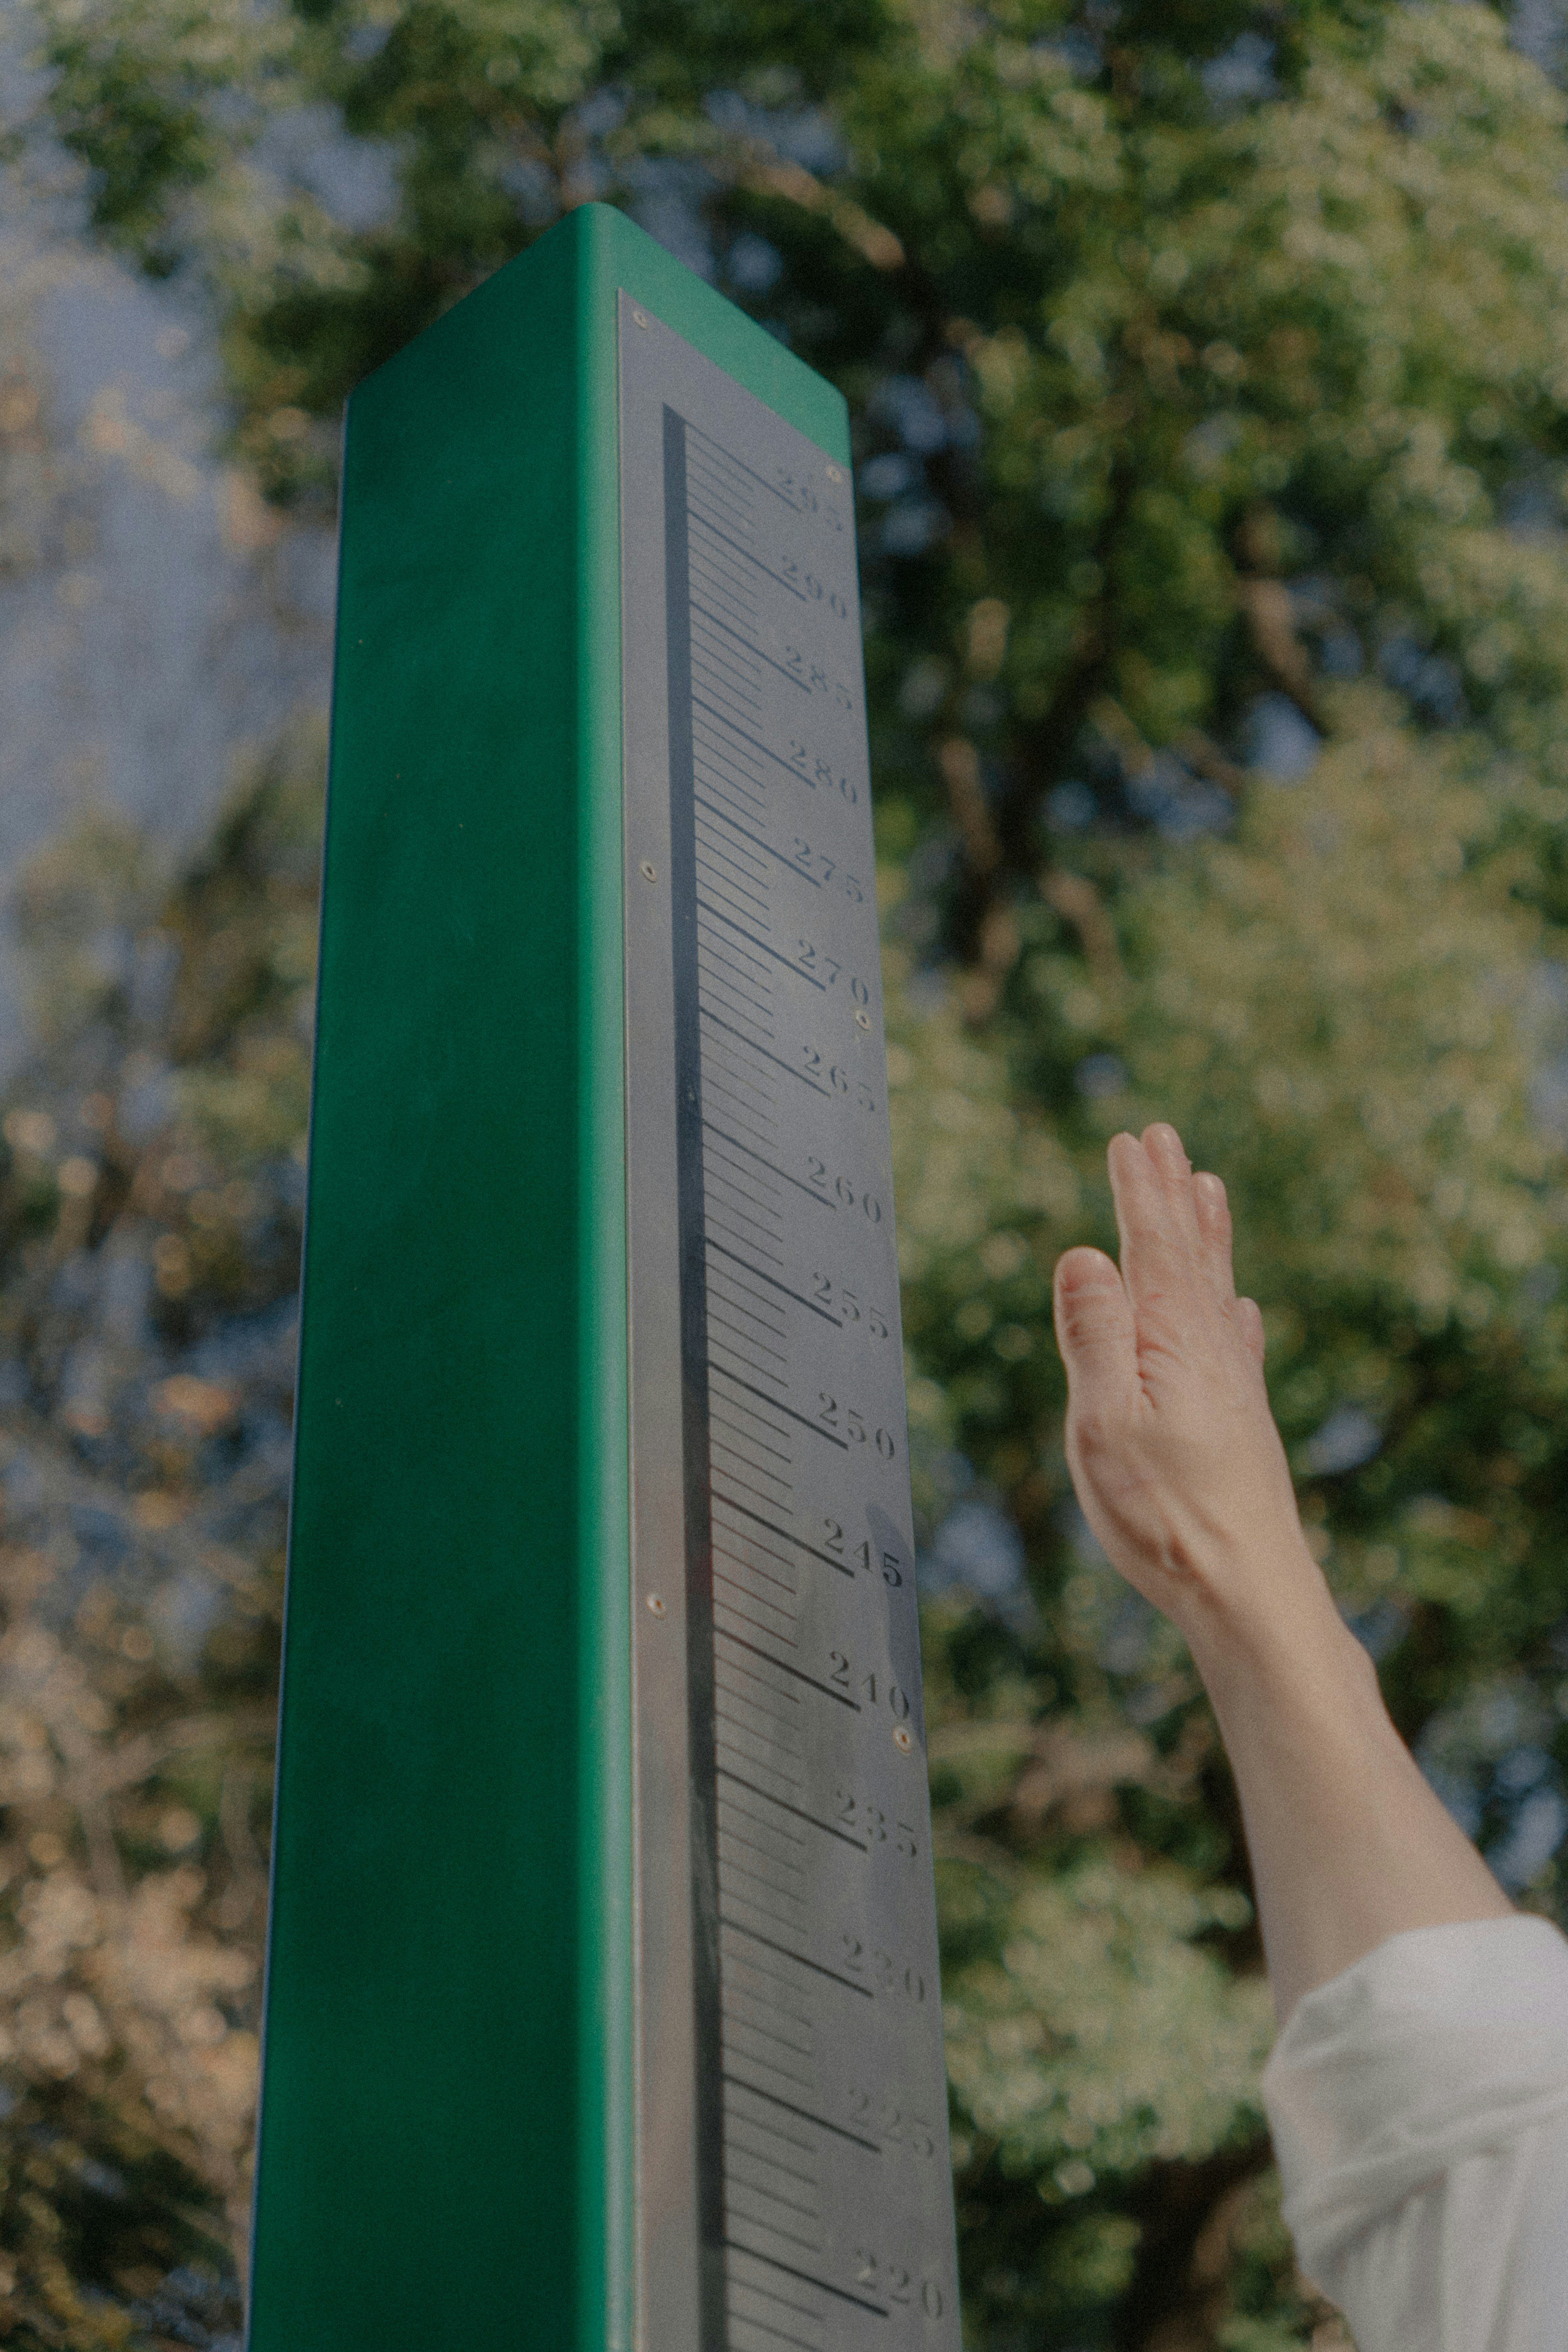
(1085, 1267)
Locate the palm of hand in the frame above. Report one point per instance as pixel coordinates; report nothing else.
(1174, 1452)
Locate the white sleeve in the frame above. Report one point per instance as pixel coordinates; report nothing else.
(1419, 2108)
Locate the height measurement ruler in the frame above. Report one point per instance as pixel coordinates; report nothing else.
(601, 1955)
(792, 2168)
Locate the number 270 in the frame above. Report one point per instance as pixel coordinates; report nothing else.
(897, 2284)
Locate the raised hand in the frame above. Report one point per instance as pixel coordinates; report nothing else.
(1172, 1450)
(1182, 1475)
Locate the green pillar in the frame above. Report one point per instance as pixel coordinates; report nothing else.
(455, 2077)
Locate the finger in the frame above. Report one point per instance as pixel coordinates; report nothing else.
(1094, 1329)
(1142, 1208)
(1160, 1256)
(1214, 1233)
(1167, 1157)
(1249, 1323)
(1166, 1147)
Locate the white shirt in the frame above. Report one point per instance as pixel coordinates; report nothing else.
(1419, 2108)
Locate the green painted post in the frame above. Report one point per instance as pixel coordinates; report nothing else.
(445, 2151)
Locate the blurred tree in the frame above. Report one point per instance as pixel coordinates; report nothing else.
(1210, 375)
(149, 1208)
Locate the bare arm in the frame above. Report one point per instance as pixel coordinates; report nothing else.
(1181, 1473)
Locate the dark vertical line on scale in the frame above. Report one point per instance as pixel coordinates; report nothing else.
(694, 1399)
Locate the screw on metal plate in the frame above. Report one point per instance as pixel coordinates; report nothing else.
(835, 473)
(639, 318)
(862, 1020)
(655, 1605)
(648, 870)
(902, 1740)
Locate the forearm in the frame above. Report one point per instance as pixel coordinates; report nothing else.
(1180, 1467)
(1348, 1843)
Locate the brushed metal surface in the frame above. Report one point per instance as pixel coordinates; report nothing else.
(794, 2188)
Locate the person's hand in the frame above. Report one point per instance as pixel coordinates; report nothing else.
(1174, 1452)
(1182, 1476)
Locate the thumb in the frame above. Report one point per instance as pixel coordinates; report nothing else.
(1093, 1326)
(1249, 1318)
(1246, 1318)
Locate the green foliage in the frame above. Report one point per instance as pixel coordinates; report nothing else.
(149, 1208)
(491, 119)
(1209, 367)
(88, 2204)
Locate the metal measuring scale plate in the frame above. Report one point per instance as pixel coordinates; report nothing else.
(792, 2161)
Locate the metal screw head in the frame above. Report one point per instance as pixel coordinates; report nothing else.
(902, 1740)
(639, 318)
(655, 1605)
(648, 870)
(835, 473)
(862, 1020)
